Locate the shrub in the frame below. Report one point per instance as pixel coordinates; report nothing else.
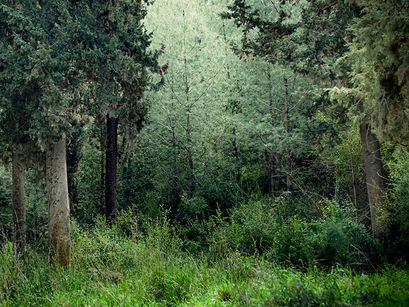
(341, 240)
(250, 230)
(293, 244)
(258, 227)
(400, 202)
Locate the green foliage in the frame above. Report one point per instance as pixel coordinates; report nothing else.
(400, 198)
(195, 226)
(341, 240)
(306, 36)
(88, 179)
(36, 206)
(5, 201)
(349, 172)
(258, 227)
(111, 269)
(250, 230)
(380, 65)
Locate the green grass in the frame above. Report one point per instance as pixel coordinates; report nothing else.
(110, 269)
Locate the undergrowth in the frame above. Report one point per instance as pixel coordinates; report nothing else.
(113, 267)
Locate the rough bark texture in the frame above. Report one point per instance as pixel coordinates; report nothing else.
(111, 169)
(19, 206)
(58, 202)
(375, 178)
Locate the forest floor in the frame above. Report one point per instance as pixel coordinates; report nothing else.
(110, 268)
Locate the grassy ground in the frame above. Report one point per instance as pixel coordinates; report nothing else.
(111, 269)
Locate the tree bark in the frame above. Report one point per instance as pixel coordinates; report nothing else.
(375, 178)
(111, 169)
(19, 206)
(287, 133)
(189, 145)
(236, 155)
(271, 153)
(58, 202)
(189, 149)
(272, 174)
(235, 147)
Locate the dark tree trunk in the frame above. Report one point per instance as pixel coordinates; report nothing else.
(175, 184)
(375, 178)
(19, 206)
(236, 155)
(189, 148)
(111, 169)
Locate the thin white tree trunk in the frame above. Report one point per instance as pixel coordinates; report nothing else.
(58, 202)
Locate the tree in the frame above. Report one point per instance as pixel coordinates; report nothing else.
(118, 45)
(186, 112)
(380, 66)
(41, 83)
(14, 55)
(308, 37)
(379, 86)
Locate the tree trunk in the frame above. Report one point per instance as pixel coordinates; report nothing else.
(58, 202)
(189, 149)
(375, 181)
(235, 147)
(287, 133)
(272, 174)
(271, 152)
(189, 145)
(19, 206)
(236, 155)
(111, 169)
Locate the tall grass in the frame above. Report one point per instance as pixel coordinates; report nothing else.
(114, 268)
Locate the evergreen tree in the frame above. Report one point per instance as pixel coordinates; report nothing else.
(117, 61)
(308, 37)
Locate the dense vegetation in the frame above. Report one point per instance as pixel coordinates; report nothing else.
(206, 152)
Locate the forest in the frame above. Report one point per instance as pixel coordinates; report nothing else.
(204, 153)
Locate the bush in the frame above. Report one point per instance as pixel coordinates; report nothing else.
(5, 205)
(109, 269)
(258, 227)
(400, 203)
(293, 244)
(250, 230)
(341, 240)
